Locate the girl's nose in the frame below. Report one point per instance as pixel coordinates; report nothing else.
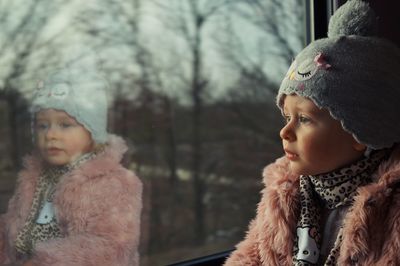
(51, 132)
(287, 132)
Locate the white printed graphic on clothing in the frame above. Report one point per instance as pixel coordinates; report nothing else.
(46, 213)
(308, 250)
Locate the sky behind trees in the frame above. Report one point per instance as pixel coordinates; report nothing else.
(235, 36)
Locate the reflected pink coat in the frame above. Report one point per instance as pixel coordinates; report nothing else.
(371, 228)
(98, 206)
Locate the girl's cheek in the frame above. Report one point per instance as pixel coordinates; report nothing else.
(38, 139)
(313, 146)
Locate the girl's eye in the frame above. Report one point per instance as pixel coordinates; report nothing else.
(303, 119)
(66, 125)
(286, 119)
(42, 126)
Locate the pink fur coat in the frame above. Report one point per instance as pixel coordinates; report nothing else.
(371, 233)
(98, 206)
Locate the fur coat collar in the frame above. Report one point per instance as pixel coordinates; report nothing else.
(371, 233)
(98, 208)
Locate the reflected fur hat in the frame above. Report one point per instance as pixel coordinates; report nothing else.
(352, 74)
(78, 92)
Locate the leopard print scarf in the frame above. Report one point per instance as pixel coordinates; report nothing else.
(331, 191)
(38, 226)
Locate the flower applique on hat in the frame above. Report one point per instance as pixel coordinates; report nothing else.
(307, 68)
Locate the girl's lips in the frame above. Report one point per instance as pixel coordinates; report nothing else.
(291, 155)
(53, 150)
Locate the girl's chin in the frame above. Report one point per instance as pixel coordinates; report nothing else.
(297, 169)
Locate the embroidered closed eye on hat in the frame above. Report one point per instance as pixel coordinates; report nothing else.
(353, 74)
(78, 92)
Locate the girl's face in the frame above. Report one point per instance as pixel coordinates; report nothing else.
(60, 138)
(313, 141)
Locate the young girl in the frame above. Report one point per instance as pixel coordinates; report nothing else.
(74, 203)
(334, 199)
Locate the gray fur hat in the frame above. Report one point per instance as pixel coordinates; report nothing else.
(353, 74)
(81, 94)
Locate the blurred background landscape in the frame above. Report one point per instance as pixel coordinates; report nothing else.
(192, 90)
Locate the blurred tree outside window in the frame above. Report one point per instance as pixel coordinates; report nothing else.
(192, 90)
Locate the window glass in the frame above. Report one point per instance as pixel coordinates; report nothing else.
(192, 89)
